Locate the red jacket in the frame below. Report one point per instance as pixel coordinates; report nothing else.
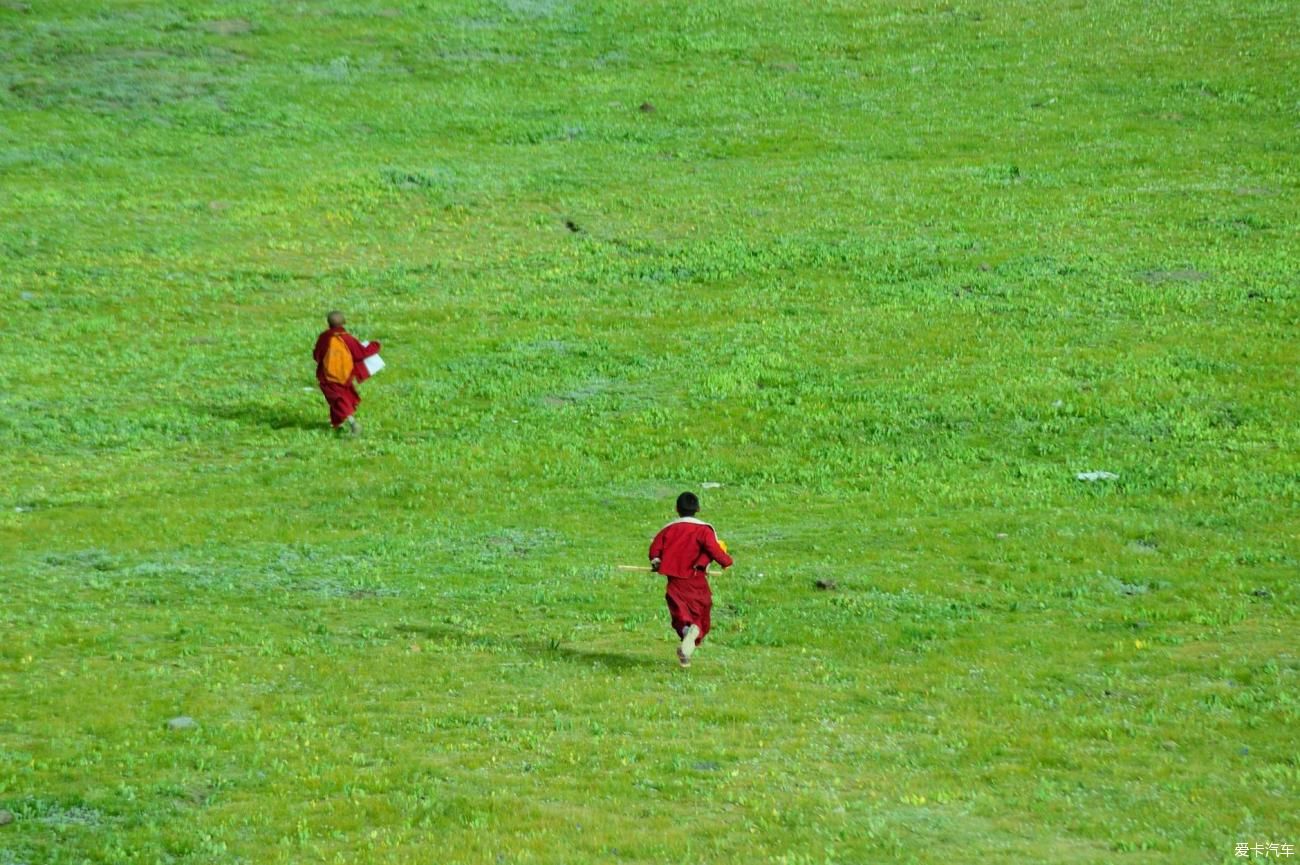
(359, 353)
(685, 547)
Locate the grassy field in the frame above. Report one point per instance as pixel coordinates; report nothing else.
(890, 274)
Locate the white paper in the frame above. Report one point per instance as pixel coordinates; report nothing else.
(374, 363)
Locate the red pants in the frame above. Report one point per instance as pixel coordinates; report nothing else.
(690, 601)
(343, 399)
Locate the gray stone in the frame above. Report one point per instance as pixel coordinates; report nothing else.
(6, 817)
(1097, 476)
(182, 722)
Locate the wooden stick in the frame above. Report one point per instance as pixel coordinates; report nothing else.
(633, 567)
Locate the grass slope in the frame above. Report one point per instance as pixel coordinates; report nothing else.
(891, 273)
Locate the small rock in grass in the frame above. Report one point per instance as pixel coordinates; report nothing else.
(1097, 476)
(182, 722)
(646, 108)
(1169, 745)
(1262, 593)
(710, 485)
(6, 817)
(826, 585)
(27, 295)
(1002, 535)
(706, 766)
(572, 226)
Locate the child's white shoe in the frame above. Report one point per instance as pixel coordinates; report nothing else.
(687, 648)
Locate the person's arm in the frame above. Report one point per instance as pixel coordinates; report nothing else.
(715, 551)
(360, 352)
(318, 353)
(657, 551)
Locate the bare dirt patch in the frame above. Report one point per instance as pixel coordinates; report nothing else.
(228, 26)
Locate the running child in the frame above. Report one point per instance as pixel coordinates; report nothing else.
(682, 552)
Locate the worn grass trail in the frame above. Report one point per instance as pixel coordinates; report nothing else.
(890, 274)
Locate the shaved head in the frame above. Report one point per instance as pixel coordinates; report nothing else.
(336, 319)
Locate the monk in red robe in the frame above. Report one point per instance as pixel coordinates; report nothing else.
(339, 365)
(682, 552)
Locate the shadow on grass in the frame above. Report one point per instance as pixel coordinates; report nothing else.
(270, 417)
(613, 660)
(538, 648)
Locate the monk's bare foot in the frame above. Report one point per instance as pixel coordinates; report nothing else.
(354, 426)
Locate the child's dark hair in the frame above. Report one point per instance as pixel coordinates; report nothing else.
(688, 505)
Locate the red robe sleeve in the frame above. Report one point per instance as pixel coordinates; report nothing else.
(359, 353)
(710, 543)
(657, 546)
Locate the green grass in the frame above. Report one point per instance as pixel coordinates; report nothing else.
(890, 273)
